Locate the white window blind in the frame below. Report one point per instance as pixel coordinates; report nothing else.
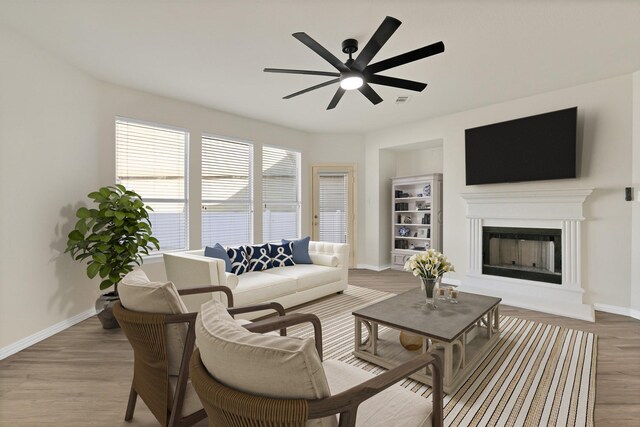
(333, 207)
(226, 192)
(151, 160)
(280, 194)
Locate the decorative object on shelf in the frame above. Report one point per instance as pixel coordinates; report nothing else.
(422, 206)
(404, 231)
(419, 195)
(429, 266)
(407, 219)
(427, 190)
(427, 245)
(412, 247)
(422, 233)
(112, 236)
(411, 342)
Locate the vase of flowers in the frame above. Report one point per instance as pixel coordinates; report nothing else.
(429, 266)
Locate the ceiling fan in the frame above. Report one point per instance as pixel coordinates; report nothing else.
(358, 73)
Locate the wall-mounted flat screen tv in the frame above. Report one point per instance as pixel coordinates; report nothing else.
(532, 148)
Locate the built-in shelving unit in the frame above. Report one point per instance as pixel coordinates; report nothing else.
(416, 216)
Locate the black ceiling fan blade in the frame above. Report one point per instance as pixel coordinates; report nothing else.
(310, 72)
(371, 94)
(320, 50)
(394, 82)
(336, 98)
(405, 58)
(327, 83)
(379, 38)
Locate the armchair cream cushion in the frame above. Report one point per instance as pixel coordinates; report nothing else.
(138, 293)
(266, 365)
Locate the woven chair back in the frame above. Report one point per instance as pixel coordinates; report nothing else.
(146, 334)
(227, 407)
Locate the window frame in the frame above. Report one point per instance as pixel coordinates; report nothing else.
(298, 188)
(157, 254)
(250, 186)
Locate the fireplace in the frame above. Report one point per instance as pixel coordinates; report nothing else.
(525, 247)
(523, 253)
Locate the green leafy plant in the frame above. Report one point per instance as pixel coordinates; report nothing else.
(114, 236)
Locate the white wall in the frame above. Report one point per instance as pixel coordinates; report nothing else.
(419, 162)
(57, 137)
(635, 205)
(50, 158)
(604, 125)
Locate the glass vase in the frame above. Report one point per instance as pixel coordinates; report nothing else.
(430, 285)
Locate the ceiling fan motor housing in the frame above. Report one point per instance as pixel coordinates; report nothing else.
(350, 46)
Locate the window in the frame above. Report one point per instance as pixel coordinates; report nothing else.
(280, 194)
(151, 160)
(226, 192)
(333, 207)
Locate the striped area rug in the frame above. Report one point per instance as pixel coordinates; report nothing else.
(537, 375)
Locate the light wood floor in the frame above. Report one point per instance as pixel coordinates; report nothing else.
(81, 376)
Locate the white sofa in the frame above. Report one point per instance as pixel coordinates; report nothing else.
(289, 286)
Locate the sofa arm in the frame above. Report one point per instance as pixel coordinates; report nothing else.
(188, 271)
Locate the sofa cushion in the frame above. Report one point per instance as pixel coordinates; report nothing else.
(218, 251)
(300, 250)
(281, 254)
(395, 406)
(273, 366)
(259, 257)
(309, 276)
(137, 293)
(239, 260)
(260, 286)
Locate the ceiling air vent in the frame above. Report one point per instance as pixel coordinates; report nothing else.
(402, 99)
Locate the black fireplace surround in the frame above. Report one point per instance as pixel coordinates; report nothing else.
(523, 253)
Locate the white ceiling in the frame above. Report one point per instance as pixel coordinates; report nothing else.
(212, 52)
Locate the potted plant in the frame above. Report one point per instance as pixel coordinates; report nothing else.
(113, 237)
(429, 266)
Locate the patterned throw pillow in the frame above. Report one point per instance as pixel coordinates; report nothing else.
(239, 260)
(281, 255)
(259, 258)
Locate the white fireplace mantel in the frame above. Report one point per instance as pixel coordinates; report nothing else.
(561, 209)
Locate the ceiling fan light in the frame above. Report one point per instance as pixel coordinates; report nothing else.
(351, 81)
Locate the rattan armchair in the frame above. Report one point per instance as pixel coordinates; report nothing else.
(147, 335)
(228, 407)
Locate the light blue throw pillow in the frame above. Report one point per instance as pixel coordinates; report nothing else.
(300, 250)
(218, 251)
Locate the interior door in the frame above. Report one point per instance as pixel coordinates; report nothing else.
(333, 208)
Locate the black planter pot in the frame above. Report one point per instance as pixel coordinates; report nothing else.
(103, 309)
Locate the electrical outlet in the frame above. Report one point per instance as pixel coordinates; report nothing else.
(628, 195)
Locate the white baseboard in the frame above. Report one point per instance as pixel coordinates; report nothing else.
(45, 333)
(614, 309)
(374, 267)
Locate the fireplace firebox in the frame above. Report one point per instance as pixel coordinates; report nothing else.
(523, 253)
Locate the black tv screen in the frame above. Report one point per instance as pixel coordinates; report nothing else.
(528, 149)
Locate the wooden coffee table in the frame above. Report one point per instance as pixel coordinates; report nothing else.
(463, 334)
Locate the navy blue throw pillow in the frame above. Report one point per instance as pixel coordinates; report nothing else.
(218, 251)
(259, 258)
(281, 255)
(300, 250)
(239, 260)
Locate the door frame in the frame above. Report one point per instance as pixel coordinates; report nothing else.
(351, 170)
